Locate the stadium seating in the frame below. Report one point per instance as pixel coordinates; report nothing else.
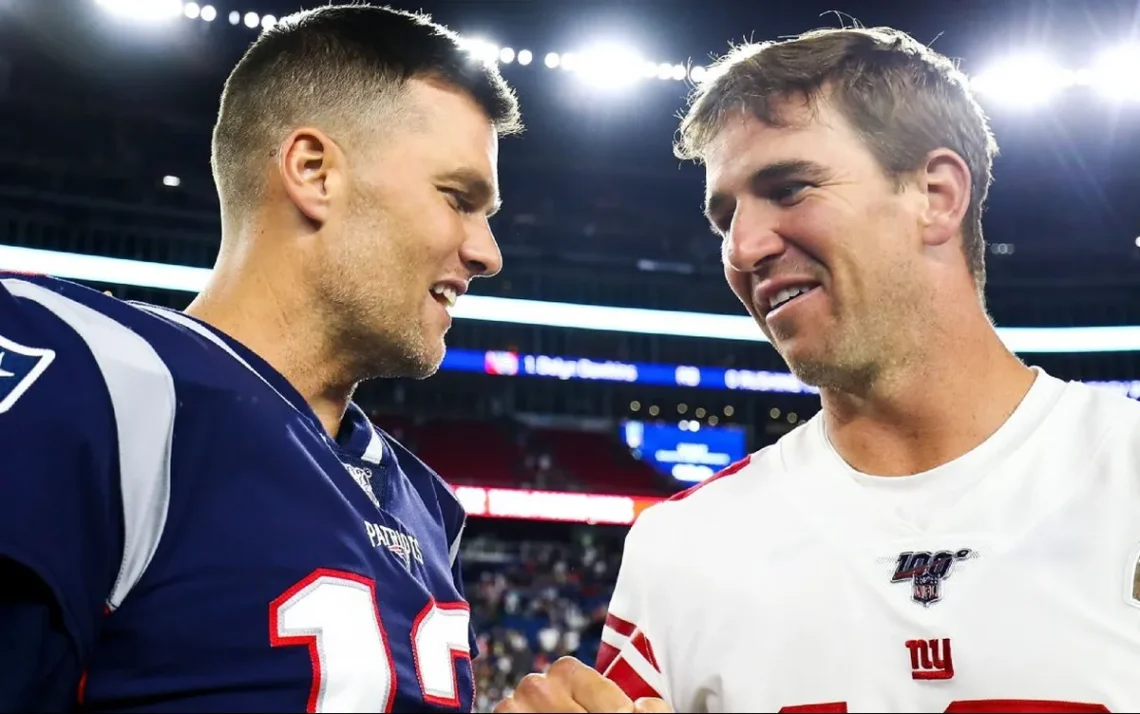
(509, 454)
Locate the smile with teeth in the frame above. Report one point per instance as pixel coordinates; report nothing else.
(788, 294)
(445, 294)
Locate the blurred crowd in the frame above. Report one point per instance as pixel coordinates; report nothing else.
(535, 601)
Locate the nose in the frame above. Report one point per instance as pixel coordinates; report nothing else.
(752, 238)
(480, 252)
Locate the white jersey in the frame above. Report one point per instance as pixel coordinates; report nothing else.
(1004, 581)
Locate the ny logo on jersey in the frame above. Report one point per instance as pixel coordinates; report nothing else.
(926, 571)
(20, 367)
(930, 659)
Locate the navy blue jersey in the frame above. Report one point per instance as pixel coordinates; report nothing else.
(206, 545)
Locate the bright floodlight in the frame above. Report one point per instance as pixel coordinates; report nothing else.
(697, 73)
(251, 20)
(608, 66)
(525, 57)
(552, 59)
(506, 55)
(192, 10)
(268, 21)
(1115, 73)
(235, 17)
(480, 49)
(209, 13)
(1026, 81)
(171, 181)
(146, 10)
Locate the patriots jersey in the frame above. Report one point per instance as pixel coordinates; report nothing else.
(209, 546)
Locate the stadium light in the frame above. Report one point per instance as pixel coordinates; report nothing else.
(1025, 80)
(1115, 72)
(1028, 80)
(143, 10)
(608, 66)
(182, 278)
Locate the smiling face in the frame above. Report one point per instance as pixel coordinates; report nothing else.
(413, 231)
(819, 244)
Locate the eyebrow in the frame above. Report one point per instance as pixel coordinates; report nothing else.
(775, 172)
(478, 188)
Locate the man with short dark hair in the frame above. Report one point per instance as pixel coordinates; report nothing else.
(194, 516)
(954, 531)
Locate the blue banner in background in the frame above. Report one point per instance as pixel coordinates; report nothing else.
(510, 364)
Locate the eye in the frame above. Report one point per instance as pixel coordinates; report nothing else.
(788, 194)
(458, 200)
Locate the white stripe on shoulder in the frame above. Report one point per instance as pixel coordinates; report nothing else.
(144, 403)
(453, 550)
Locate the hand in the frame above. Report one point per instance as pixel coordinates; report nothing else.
(570, 686)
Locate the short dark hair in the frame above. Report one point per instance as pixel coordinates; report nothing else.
(904, 99)
(329, 65)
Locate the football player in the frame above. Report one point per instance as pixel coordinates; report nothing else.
(194, 516)
(955, 530)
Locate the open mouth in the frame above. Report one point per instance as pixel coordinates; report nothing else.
(790, 295)
(444, 294)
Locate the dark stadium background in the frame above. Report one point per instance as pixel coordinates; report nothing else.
(96, 109)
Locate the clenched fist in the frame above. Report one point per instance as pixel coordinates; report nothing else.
(570, 686)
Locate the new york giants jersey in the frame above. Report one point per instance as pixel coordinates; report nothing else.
(210, 546)
(1006, 580)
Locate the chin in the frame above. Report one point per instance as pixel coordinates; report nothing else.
(410, 359)
(430, 360)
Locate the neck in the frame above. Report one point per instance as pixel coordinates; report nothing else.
(260, 301)
(935, 407)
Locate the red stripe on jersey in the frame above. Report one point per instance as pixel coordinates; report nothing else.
(641, 644)
(607, 653)
(630, 681)
(728, 471)
(624, 628)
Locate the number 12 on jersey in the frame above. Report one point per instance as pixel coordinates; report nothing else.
(335, 615)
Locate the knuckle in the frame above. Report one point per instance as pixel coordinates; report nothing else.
(564, 667)
(531, 686)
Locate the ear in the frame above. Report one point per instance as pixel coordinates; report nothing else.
(947, 180)
(310, 168)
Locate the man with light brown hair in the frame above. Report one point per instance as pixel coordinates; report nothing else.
(846, 174)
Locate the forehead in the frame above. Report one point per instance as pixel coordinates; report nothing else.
(450, 121)
(817, 134)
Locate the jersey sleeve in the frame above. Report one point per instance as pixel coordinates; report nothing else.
(626, 655)
(85, 417)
